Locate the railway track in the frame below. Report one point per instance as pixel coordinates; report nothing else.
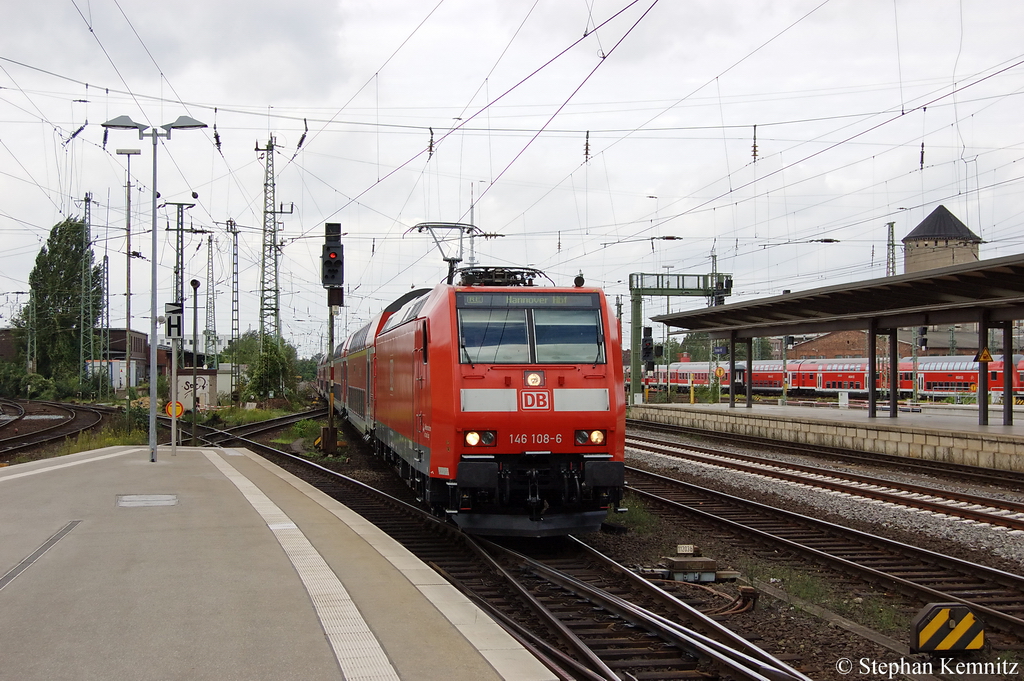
(997, 596)
(10, 411)
(578, 626)
(38, 423)
(218, 436)
(991, 510)
(959, 472)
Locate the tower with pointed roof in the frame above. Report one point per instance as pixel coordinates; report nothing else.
(940, 240)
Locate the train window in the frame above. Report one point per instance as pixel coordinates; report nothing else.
(993, 375)
(494, 337)
(569, 336)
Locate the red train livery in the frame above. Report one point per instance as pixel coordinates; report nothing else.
(500, 402)
(937, 377)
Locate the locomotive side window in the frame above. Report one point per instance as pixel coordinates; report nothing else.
(494, 337)
(570, 336)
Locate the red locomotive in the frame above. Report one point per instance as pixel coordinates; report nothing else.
(500, 402)
(937, 377)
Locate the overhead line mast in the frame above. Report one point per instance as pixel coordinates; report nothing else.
(270, 292)
(236, 368)
(210, 333)
(86, 322)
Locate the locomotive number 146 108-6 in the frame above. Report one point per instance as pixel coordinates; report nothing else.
(534, 439)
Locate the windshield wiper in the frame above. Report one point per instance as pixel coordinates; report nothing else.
(462, 344)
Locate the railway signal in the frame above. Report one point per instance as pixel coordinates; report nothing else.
(332, 276)
(332, 264)
(332, 260)
(647, 346)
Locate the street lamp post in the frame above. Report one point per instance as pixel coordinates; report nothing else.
(126, 123)
(195, 354)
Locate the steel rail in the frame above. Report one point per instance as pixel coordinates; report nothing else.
(740, 664)
(907, 586)
(774, 469)
(90, 417)
(596, 668)
(959, 471)
(683, 609)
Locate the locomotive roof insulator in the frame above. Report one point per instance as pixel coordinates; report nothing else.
(500, 276)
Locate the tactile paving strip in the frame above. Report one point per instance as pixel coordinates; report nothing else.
(356, 648)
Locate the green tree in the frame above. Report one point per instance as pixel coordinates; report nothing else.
(306, 367)
(270, 370)
(268, 374)
(698, 345)
(57, 292)
(11, 375)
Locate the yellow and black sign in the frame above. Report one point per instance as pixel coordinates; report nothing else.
(983, 356)
(949, 627)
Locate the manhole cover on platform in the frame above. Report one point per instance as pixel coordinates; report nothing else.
(133, 500)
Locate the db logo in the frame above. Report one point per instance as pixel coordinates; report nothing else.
(537, 399)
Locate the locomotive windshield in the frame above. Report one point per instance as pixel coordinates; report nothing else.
(494, 337)
(569, 336)
(531, 336)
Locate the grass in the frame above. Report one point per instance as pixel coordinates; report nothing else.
(637, 519)
(109, 436)
(236, 416)
(871, 610)
(308, 431)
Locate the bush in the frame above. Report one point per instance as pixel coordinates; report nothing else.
(306, 429)
(38, 387)
(11, 377)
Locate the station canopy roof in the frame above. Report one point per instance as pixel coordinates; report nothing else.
(989, 290)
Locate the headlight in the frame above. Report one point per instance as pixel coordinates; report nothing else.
(533, 379)
(480, 438)
(594, 438)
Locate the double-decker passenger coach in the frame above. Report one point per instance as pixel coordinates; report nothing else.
(500, 401)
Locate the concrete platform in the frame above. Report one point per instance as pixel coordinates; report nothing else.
(215, 564)
(935, 433)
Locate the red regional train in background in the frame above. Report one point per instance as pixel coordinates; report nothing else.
(937, 377)
(500, 402)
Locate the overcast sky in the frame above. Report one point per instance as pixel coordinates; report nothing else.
(586, 130)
